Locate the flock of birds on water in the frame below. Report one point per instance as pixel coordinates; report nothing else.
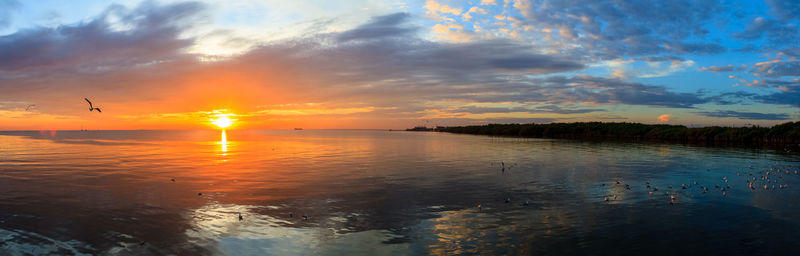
(770, 179)
(767, 180)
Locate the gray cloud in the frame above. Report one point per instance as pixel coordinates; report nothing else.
(540, 109)
(775, 32)
(380, 27)
(718, 68)
(611, 29)
(391, 56)
(792, 51)
(789, 93)
(728, 68)
(661, 58)
(791, 97)
(615, 91)
(471, 121)
(778, 69)
(95, 46)
(558, 110)
(784, 9)
(732, 98)
(697, 48)
(745, 115)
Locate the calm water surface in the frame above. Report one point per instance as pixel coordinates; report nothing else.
(386, 193)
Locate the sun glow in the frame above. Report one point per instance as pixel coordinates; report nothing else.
(222, 122)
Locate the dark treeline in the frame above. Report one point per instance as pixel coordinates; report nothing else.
(787, 133)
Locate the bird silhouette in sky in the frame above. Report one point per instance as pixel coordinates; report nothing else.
(92, 107)
(29, 107)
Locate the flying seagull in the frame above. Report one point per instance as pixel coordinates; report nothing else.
(91, 107)
(29, 107)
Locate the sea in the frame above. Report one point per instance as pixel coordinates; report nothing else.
(377, 192)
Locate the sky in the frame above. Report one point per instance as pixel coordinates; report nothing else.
(374, 64)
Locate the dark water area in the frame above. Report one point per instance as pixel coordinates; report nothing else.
(388, 193)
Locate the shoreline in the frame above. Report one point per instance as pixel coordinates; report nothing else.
(786, 134)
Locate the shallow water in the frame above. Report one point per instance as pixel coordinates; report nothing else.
(385, 193)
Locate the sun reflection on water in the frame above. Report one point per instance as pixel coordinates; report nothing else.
(223, 143)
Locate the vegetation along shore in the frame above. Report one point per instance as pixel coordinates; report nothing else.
(781, 134)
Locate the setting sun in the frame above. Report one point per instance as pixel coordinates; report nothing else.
(222, 122)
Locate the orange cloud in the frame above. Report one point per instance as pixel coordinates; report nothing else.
(434, 7)
(665, 118)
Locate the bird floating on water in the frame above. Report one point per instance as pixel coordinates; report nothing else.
(91, 107)
(240, 217)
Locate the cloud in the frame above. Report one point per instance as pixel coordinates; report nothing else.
(381, 64)
(385, 68)
(468, 15)
(6, 8)
(611, 29)
(777, 68)
(775, 32)
(701, 48)
(784, 9)
(655, 67)
(732, 98)
(602, 91)
(728, 68)
(785, 92)
(453, 32)
(153, 35)
(558, 110)
(435, 7)
(717, 69)
(483, 121)
(488, 2)
(788, 92)
(661, 58)
(792, 51)
(744, 115)
(380, 27)
(539, 109)
(665, 118)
